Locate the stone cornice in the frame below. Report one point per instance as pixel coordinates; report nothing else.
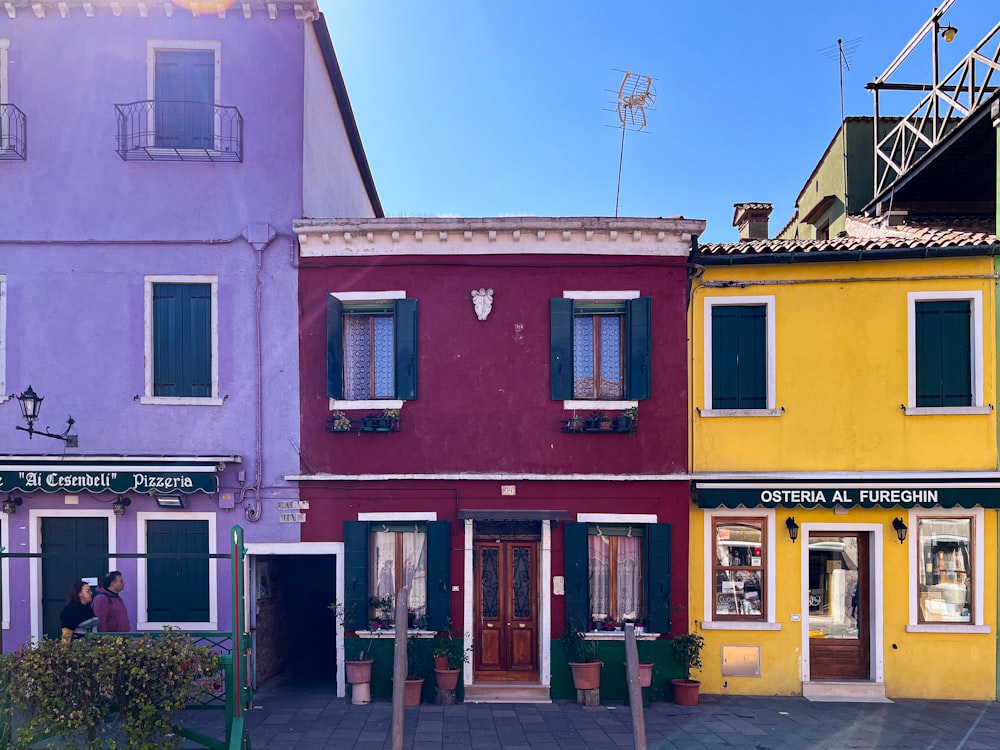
(302, 11)
(516, 235)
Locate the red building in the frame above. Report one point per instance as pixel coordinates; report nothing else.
(454, 376)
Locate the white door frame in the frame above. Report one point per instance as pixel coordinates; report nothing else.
(261, 549)
(876, 576)
(544, 602)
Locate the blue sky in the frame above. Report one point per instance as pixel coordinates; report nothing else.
(468, 108)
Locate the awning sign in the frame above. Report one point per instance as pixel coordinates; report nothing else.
(868, 496)
(146, 482)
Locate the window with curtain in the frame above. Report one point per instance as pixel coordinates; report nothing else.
(738, 568)
(598, 364)
(399, 558)
(615, 566)
(945, 570)
(369, 367)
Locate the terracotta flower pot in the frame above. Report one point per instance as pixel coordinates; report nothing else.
(359, 671)
(686, 692)
(440, 662)
(645, 673)
(586, 674)
(411, 693)
(447, 679)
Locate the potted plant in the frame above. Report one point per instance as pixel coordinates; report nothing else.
(687, 653)
(414, 682)
(645, 666)
(449, 655)
(574, 424)
(581, 655)
(339, 422)
(628, 419)
(358, 670)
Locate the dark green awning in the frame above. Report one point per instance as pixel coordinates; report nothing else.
(849, 494)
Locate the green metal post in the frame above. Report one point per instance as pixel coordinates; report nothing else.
(239, 630)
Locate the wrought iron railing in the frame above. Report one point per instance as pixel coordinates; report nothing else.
(179, 131)
(13, 133)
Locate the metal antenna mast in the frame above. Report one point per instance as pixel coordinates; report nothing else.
(842, 54)
(635, 95)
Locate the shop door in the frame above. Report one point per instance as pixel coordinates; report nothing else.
(839, 607)
(75, 548)
(506, 609)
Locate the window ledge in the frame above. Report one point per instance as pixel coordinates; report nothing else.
(617, 635)
(178, 401)
(599, 405)
(947, 628)
(392, 633)
(739, 412)
(388, 403)
(926, 411)
(735, 625)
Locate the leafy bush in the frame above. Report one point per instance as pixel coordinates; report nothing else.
(109, 691)
(577, 648)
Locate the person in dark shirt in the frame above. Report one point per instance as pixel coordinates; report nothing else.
(77, 617)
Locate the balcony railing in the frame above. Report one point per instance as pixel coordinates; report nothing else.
(13, 133)
(179, 131)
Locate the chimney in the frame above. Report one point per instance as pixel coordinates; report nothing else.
(751, 220)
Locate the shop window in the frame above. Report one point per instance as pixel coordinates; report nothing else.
(617, 572)
(739, 357)
(381, 558)
(371, 348)
(600, 348)
(945, 353)
(945, 573)
(738, 569)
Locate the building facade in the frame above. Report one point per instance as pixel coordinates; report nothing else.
(148, 287)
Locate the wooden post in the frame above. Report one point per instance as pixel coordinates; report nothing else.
(399, 668)
(634, 691)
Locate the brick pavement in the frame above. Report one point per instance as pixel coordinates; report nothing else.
(290, 717)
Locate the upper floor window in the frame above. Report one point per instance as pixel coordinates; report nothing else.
(945, 357)
(739, 356)
(371, 347)
(182, 340)
(600, 346)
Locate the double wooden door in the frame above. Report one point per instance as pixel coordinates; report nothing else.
(73, 549)
(506, 610)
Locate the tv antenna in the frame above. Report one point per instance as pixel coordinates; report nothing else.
(635, 95)
(842, 52)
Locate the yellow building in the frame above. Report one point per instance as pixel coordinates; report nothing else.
(844, 459)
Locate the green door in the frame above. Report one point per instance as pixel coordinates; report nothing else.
(75, 548)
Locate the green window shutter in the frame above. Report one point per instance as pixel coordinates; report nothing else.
(198, 368)
(182, 340)
(725, 391)
(166, 340)
(739, 357)
(177, 589)
(406, 349)
(656, 575)
(334, 347)
(356, 557)
(944, 353)
(561, 348)
(638, 319)
(438, 574)
(577, 576)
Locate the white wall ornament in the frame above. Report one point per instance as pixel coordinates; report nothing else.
(482, 300)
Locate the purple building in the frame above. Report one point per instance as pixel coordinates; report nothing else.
(153, 156)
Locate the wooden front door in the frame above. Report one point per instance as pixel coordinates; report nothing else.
(839, 607)
(506, 610)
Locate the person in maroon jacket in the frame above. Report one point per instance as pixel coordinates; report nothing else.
(109, 607)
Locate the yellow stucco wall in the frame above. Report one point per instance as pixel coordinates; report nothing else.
(841, 373)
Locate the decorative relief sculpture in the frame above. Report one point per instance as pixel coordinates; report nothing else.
(482, 300)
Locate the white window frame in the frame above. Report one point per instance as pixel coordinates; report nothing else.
(148, 397)
(770, 574)
(771, 335)
(3, 340)
(607, 296)
(142, 582)
(157, 45)
(5, 571)
(978, 574)
(384, 403)
(976, 313)
(4, 91)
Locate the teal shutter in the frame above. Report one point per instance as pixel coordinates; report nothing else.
(638, 319)
(943, 353)
(356, 556)
(185, 98)
(561, 348)
(725, 393)
(406, 349)
(656, 575)
(177, 589)
(334, 347)
(438, 574)
(739, 357)
(182, 340)
(577, 576)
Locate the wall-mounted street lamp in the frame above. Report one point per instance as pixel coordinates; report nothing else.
(793, 528)
(119, 505)
(31, 405)
(900, 527)
(11, 504)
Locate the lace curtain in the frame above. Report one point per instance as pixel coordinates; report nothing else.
(368, 346)
(610, 385)
(410, 571)
(624, 554)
